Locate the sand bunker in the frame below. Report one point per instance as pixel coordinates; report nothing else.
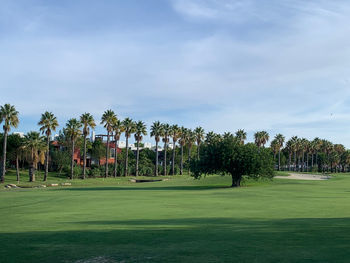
(295, 176)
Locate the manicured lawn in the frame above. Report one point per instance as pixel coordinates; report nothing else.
(180, 220)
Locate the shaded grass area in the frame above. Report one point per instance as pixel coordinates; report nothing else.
(180, 220)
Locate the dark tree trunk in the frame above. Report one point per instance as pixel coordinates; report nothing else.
(279, 160)
(303, 163)
(295, 161)
(137, 158)
(198, 145)
(72, 161)
(189, 159)
(126, 157)
(17, 168)
(84, 158)
(289, 161)
(115, 159)
(47, 158)
(182, 160)
(3, 166)
(236, 181)
(173, 159)
(307, 162)
(156, 168)
(31, 173)
(165, 148)
(312, 161)
(107, 155)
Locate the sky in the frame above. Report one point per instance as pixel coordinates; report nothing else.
(277, 65)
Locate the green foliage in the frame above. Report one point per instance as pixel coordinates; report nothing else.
(229, 156)
(60, 160)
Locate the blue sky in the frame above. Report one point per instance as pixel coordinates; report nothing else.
(278, 65)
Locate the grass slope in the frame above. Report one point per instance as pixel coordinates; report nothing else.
(180, 220)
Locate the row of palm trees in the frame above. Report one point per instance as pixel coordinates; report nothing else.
(37, 146)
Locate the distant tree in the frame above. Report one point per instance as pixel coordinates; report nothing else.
(174, 133)
(190, 139)
(8, 116)
(87, 120)
(117, 129)
(241, 136)
(73, 131)
(48, 123)
(15, 149)
(35, 147)
(280, 141)
(129, 128)
(230, 157)
(261, 138)
(108, 118)
(98, 150)
(156, 132)
(166, 130)
(199, 133)
(182, 142)
(140, 131)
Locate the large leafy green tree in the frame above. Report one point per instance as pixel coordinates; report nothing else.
(174, 133)
(8, 116)
(108, 118)
(156, 132)
(35, 148)
(118, 128)
(166, 130)
(48, 123)
(73, 132)
(87, 120)
(129, 129)
(140, 131)
(199, 133)
(228, 156)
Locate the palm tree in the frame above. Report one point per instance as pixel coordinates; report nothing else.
(190, 139)
(117, 129)
(174, 133)
(9, 116)
(73, 132)
(166, 129)
(199, 133)
(261, 138)
(34, 145)
(274, 147)
(87, 120)
(241, 136)
(280, 140)
(48, 123)
(182, 141)
(304, 144)
(140, 131)
(129, 128)
(108, 118)
(156, 132)
(294, 147)
(289, 148)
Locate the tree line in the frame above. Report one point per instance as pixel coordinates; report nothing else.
(296, 154)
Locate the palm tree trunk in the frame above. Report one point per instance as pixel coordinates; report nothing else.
(198, 151)
(173, 159)
(279, 160)
(72, 161)
(17, 167)
(307, 162)
(137, 158)
(3, 167)
(312, 161)
(84, 161)
(156, 168)
(189, 159)
(31, 173)
(182, 160)
(289, 161)
(116, 159)
(107, 155)
(165, 147)
(126, 157)
(295, 161)
(47, 158)
(303, 162)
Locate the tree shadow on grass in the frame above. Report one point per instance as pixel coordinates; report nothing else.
(186, 240)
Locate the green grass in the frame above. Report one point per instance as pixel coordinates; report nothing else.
(180, 220)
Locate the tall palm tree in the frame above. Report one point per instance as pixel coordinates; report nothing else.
(34, 145)
(294, 146)
(87, 120)
(304, 143)
(289, 148)
(199, 133)
(190, 139)
(9, 116)
(129, 128)
(117, 129)
(156, 132)
(241, 136)
(166, 130)
(73, 132)
(140, 131)
(174, 133)
(274, 147)
(280, 140)
(48, 123)
(182, 142)
(108, 118)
